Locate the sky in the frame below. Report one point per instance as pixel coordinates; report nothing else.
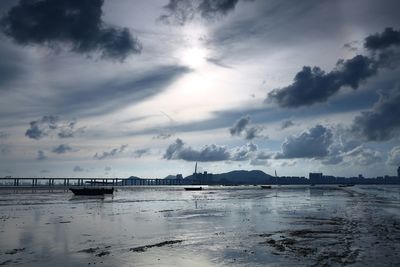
(92, 88)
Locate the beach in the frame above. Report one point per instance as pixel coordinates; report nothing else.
(219, 226)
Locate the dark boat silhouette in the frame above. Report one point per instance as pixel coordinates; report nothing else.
(266, 187)
(95, 191)
(199, 188)
(346, 185)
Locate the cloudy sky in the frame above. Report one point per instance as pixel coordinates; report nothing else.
(117, 88)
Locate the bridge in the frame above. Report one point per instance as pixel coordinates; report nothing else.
(66, 182)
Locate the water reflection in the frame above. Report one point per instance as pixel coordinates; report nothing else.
(218, 226)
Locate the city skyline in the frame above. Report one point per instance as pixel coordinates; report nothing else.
(112, 89)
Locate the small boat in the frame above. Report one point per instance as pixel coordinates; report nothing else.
(194, 188)
(266, 187)
(346, 185)
(95, 191)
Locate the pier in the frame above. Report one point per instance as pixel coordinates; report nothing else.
(67, 182)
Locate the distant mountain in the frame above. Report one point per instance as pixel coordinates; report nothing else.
(233, 177)
(170, 177)
(240, 177)
(134, 177)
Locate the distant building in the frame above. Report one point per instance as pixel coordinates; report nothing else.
(179, 176)
(315, 177)
(398, 172)
(202, 178)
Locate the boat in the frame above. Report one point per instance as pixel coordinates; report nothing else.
(266, 187)
(95, 191)
(346, 185)
(199, 188)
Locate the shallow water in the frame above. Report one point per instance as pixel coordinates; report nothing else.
(219, 226)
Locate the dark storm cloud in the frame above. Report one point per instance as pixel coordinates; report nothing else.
(112, 153)
(183, 11)
(61, 149)
(242, 128)
(138, 153)
(208, 153)
(75, 23)
(313, 85)
(379, 41)
(212, 8)
(41, 128)
(382, 122)
(179, 150)
(49, 125)
(244, 152)
(41, 155)
(261, 158)
(351, 46)
(117, 93)
(313, 143)
(240, 125)
(286, 124)
(351, 102)
(66, 129)
(163, 135)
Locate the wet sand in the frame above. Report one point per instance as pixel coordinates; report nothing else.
(219, 226)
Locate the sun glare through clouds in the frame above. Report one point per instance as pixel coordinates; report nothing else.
(194, 57)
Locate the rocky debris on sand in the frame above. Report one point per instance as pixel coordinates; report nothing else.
(89, 250)
(331, 241)
(95, 250)
(161, 244)
(5, 262)
(103, 253)
(14, 251)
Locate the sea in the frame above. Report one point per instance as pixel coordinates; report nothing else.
(292, 225)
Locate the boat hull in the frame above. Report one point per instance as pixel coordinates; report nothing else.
(266, 187)
(193, 188)
(91, 191)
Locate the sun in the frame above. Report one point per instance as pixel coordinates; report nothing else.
(194, 57)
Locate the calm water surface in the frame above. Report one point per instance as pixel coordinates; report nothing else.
(219, 226)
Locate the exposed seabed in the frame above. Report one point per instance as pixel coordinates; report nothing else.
(219, 226)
